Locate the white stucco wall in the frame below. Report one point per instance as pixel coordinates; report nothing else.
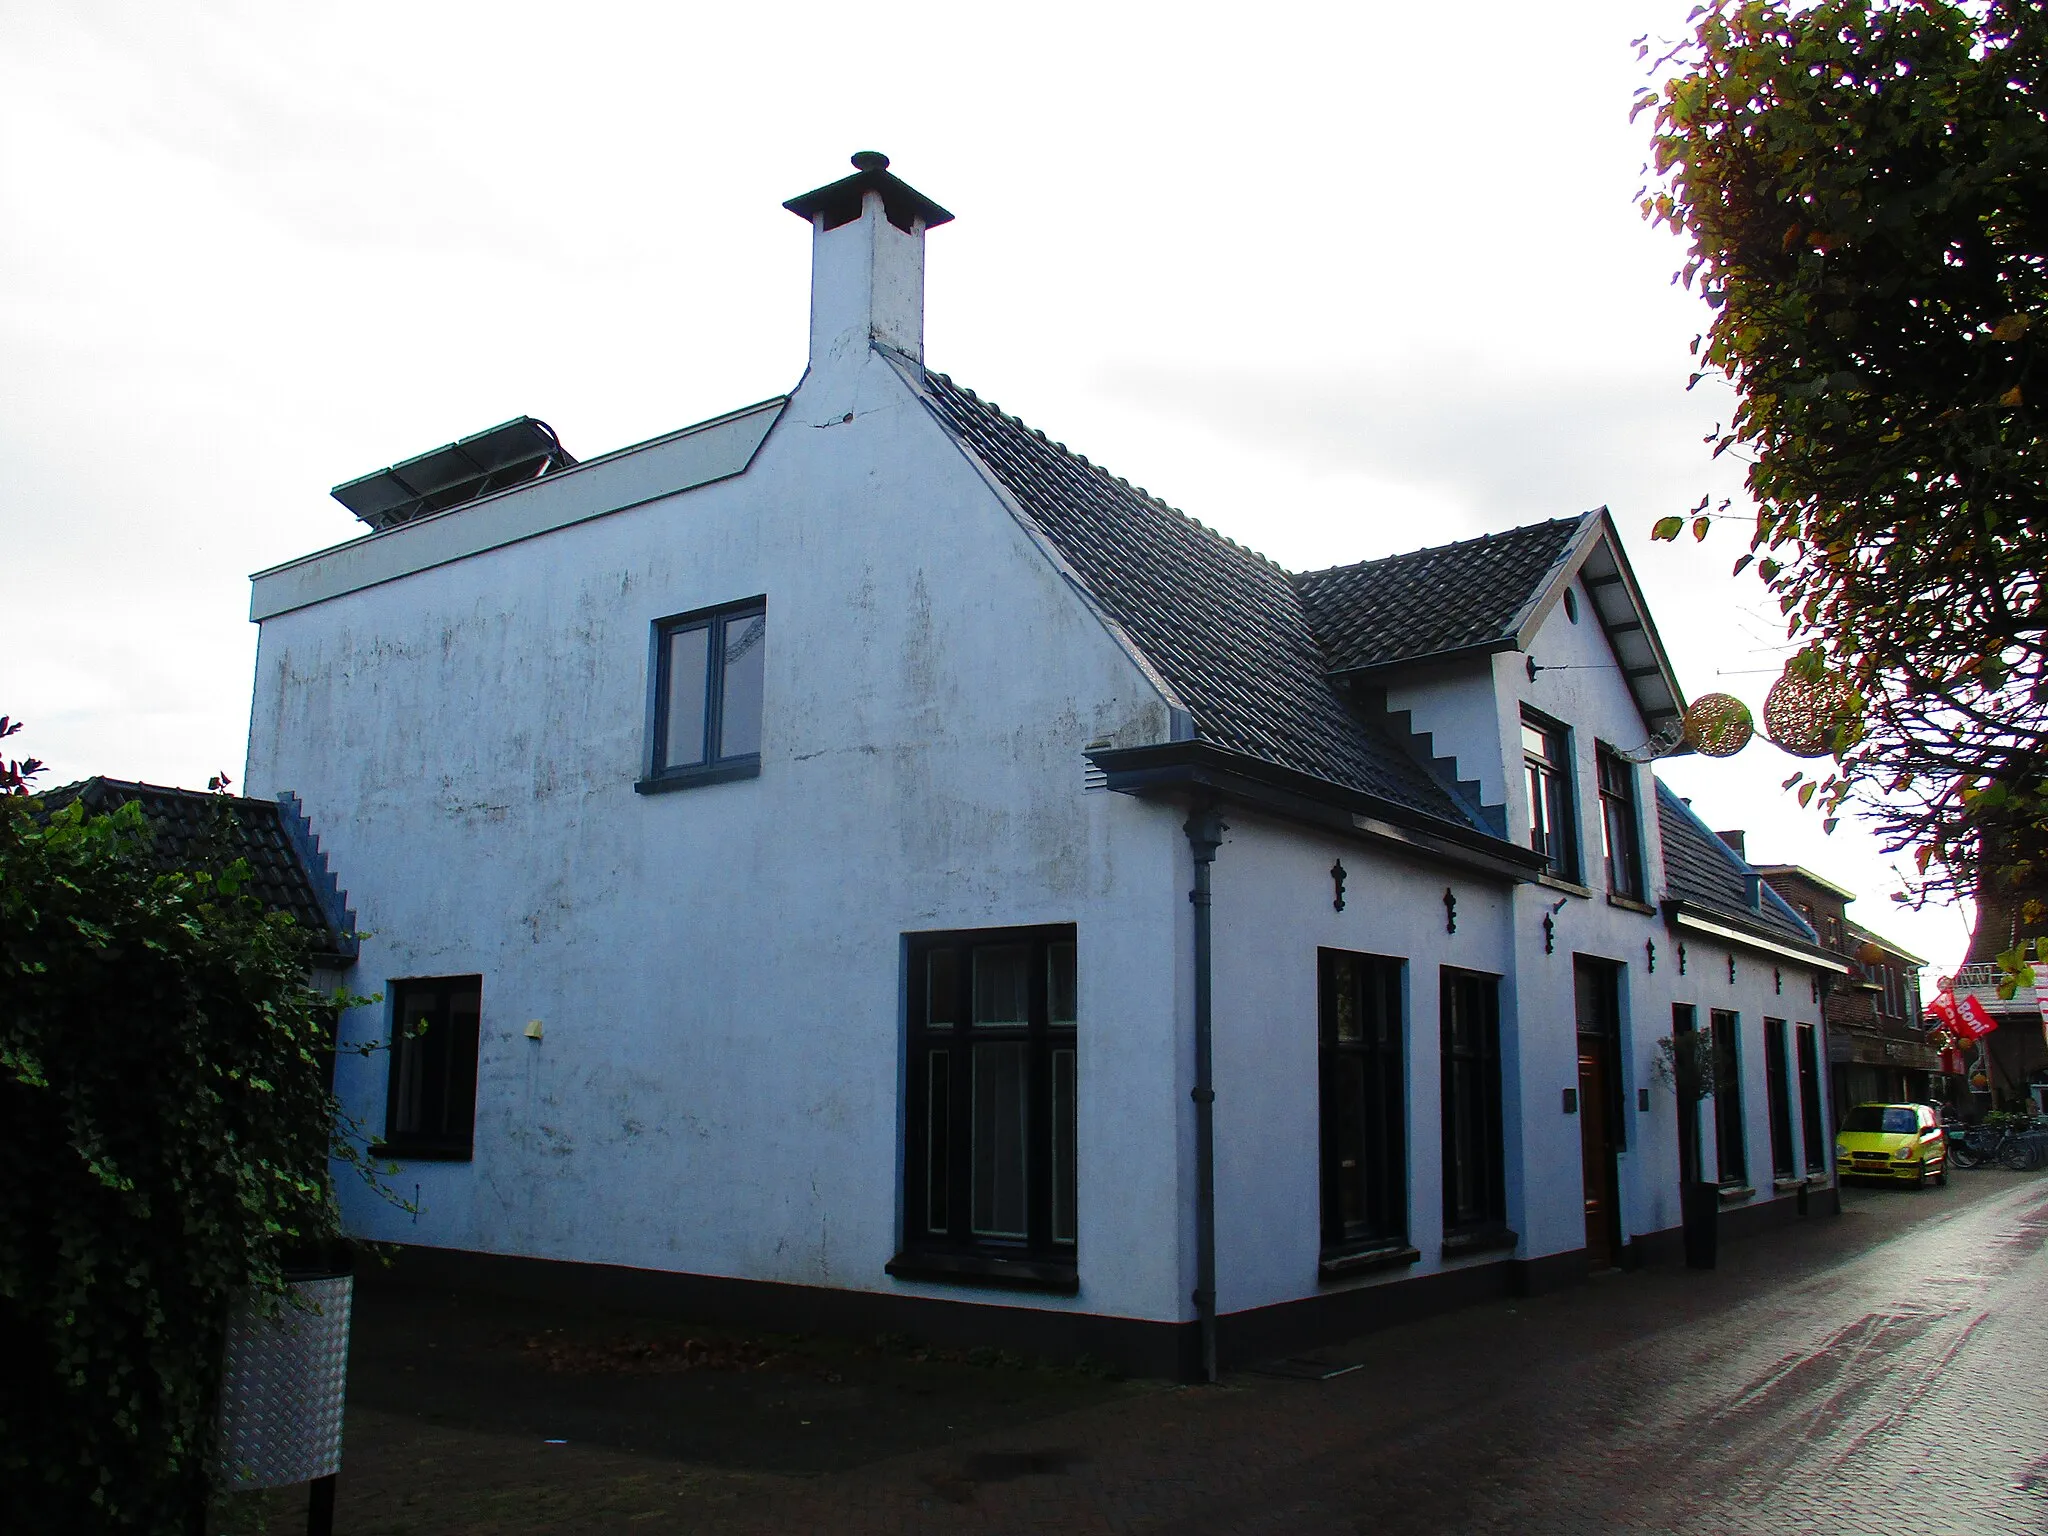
(1273, 905)
(718, 970)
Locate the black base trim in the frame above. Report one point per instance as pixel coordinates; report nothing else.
(986, 1269)
(1132, 1346)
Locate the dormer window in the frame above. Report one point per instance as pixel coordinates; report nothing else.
(1547, 759)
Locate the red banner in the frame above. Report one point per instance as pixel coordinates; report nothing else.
(1974, 1023)
(1944, 1008)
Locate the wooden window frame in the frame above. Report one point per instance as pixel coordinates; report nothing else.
(1474, 1132)
(713, 766)
(1691, 1144)
(1377, 1173)
(1778, 1072)
(1731, 1132)
(1555, 837)
(1620, 823)
(1812, 1113)
(421, 1056)
(1044, 1257)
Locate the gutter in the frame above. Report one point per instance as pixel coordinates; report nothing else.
(1209, 773)
(1682, 915)
(1205, 831)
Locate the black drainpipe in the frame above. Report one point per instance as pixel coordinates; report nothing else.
(1205, 834)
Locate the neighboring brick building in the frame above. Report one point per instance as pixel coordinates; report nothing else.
(1877, 1044)
(2015, 1057)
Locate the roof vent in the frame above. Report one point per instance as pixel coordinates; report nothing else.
(506, 455)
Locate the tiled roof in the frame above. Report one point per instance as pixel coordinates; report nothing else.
(1704, 872)
(1451, 598)
(1222, 625)
(193, 829)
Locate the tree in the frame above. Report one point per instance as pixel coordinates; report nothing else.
(1864, 186)
(167, 1127)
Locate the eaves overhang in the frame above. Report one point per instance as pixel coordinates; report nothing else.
(1719, 925)
(1598, 561)
(1181, 770)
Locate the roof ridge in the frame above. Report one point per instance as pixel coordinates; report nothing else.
(1438, 549)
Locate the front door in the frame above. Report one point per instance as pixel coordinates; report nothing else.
(1598, 1007)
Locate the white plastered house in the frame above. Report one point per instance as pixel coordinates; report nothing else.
(775, 844)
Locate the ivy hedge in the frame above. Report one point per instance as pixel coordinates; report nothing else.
(164, 1108)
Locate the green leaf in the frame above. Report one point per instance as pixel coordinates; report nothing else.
(1667, 529)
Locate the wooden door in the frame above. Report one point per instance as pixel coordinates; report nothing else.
(1596, 1148)
(1598, 1009)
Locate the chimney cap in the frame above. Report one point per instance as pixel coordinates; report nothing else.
(840, 202)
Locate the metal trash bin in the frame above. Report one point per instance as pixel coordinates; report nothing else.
(284, 1385)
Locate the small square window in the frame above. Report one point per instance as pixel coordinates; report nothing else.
(705, 715)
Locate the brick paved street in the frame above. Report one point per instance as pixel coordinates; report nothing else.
(1886, 1371)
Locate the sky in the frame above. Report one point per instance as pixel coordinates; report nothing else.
(1339, 281)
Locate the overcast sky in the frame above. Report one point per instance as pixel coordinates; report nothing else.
(1337, 280)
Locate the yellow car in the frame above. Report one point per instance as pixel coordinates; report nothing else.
(1892, 1141)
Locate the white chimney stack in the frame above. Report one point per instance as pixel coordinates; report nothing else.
(867, 261)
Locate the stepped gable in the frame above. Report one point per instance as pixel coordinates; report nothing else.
(1434, 602)
(194, 829)
(1221, 624)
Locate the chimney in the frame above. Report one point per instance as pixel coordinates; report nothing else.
(1735, 841)
(867, 261)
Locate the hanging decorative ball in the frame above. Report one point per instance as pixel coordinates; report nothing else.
(1801, 713)
(1718, 725)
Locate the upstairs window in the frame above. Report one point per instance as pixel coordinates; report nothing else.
(431, 1109)
(1621, 842)
(706, 711)
(1547, 759)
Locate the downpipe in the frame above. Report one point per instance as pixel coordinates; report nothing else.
(1205, 829)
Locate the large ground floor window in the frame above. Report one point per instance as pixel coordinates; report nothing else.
(1364, 1096)
(989, 1169)
(1811, 1119)
(1778, 1069)
(1730, 1131)
(1475, 1173)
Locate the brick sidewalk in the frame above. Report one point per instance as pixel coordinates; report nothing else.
(1831, 1377)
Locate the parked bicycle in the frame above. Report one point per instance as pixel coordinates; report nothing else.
(2005, 1146)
